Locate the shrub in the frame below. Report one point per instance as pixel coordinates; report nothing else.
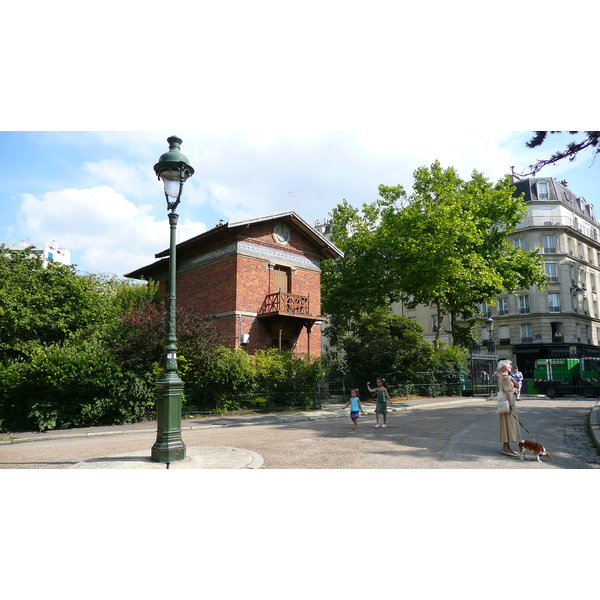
(289, 380)
(77, 384)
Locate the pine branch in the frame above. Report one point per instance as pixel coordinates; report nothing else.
(592, 140)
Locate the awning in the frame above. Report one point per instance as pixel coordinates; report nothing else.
(527, 349)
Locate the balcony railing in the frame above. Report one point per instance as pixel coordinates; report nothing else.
(285, 303)
(560, 221)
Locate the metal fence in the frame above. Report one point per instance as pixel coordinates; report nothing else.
(427, 383)
(479, 380)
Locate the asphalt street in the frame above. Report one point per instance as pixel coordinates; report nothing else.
(441, 435)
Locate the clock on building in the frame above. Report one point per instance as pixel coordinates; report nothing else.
(281, 233)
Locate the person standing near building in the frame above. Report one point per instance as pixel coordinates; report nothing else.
(518, 377)
(383, 396)
(355, 407)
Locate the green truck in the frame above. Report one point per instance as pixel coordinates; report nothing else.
(568, 376)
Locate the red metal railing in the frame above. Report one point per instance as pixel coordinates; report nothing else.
(286, 303)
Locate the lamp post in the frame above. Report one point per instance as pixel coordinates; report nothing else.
(491, 345)
(173, 168)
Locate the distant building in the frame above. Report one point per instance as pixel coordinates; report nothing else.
(48, 252)
(260, 279)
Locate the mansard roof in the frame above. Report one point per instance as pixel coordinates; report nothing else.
(557, 192)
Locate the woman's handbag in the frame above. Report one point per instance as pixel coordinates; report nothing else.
(503, 405)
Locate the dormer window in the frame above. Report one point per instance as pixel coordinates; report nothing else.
(542, 190)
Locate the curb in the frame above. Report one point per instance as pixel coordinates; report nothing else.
(331, 413)
(595, 424)
(68, 436)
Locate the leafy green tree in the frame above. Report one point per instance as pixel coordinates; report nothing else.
(385, 344)
(360, 281)
(56, 357)
(449, 243)
(44, 305)
(445, 244)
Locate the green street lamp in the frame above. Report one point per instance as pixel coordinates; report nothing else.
(173, 168)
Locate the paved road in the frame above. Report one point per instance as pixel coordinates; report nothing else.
(454, 436)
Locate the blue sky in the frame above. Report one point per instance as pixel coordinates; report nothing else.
(96, 192)
(279, 106)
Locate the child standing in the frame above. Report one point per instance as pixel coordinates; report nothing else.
(518, 377)
(383, 396)
(355, 407)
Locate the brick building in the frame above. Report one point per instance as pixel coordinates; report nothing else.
(259, 278)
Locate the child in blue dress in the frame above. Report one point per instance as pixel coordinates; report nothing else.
(355, 407)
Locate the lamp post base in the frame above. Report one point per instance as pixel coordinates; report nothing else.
(169, 446)
(168, 454)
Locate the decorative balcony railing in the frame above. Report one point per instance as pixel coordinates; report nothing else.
(285, 303)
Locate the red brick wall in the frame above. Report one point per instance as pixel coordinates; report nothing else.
(240, 283)
(252, 282)
(211, 287)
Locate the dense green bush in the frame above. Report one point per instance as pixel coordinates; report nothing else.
(72, 385)
(381, 344)
(288, 380)
(232, 380)
(57, 331)
(222, 379)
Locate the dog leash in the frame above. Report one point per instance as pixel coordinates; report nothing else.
(523, 426)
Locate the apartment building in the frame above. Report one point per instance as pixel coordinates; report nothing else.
(48, 251)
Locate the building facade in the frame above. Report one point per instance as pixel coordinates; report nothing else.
(260, 279)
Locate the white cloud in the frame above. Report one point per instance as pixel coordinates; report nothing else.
(241, 178)
(105, 231)
(130, 179)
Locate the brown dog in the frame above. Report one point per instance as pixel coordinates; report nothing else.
(534, 448)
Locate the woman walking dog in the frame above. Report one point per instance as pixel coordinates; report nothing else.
(508, 423)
